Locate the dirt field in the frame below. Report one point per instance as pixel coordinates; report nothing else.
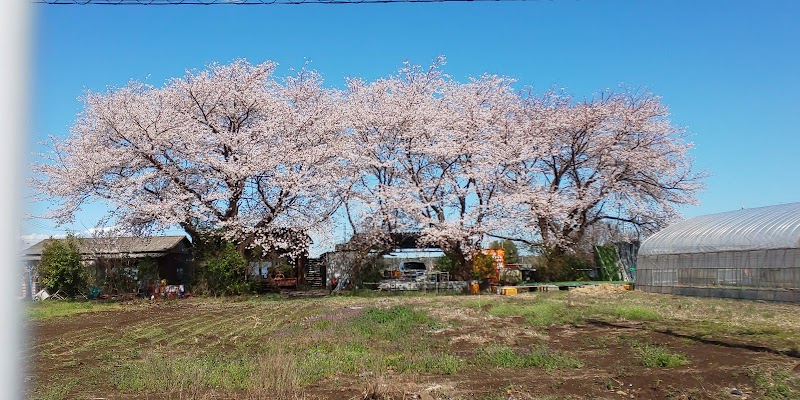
(591, 344)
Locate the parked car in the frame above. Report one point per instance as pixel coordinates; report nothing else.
(413, 269)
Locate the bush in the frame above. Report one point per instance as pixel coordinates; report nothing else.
(226, 272)
(368, 273)
(560, 267)
(446, 264)
(60, 268)
(483, 267)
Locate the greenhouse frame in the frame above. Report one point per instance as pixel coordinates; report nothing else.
(748, 254)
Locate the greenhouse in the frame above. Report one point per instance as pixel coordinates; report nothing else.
(749, 253)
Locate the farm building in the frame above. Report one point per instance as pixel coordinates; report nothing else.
(749, 254)
(171, 255)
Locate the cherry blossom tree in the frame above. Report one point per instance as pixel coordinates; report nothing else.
(229, 149)
(425, 154)
(616, 157)
(235, 151)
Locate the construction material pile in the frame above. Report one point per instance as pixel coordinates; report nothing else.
(600, 289)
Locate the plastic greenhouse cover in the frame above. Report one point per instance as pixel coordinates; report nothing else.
(772, 227)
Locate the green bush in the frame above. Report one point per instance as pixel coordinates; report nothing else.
(226, 272)
(606, 258)
(561, 267)
(483, 266)
(446, 264)
(60, 268)
(371, 273)
(510, 248)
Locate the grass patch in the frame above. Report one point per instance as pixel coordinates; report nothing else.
(266, 347)
(276, 376)
(541, 357)
(55, 390)
(328, 359)
(172, 374)
(426, 363)
(632, 312)
(775, 384)
(392, 324)
(42, 310)
(539, 312)
(654, 356)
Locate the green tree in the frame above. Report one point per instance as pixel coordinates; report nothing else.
(511, 250)
(447, 264)
(226, 271)
(483, 266)
(558, 266)
(60, 268)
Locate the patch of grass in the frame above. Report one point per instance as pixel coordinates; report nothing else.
(540, 312)
(654, 356)
(42, 310)
(55, 390)
(171, 374)
(328, 359)
(541, 357)
(632, 312)
(392, 324)
(598, 342)
(775, 384)
(275, 376)
(426, 363)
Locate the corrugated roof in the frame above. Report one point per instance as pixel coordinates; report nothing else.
(116, 245)
(772, 227)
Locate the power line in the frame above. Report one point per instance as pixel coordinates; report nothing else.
(248, 2)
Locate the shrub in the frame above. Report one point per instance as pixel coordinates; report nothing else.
(510, 248)
(226, 272)
(60, 268)
(483, 266)
(446, 264)
(560, 266)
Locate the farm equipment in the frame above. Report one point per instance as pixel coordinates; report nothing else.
(282, 282)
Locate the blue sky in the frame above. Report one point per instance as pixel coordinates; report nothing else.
(729, 70)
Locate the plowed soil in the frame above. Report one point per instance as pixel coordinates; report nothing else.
(79, 346)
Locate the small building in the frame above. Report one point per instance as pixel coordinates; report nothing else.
(749, 254)
(389, 250)
(171, 254)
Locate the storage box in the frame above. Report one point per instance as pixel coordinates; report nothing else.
(508, 291)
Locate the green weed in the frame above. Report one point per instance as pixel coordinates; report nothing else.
(426, 363)
(541, 357)
(658, 356)
(172, 374)
(54, 390)
(42, 310)
(775, 384)
(327, 359)
(632, 312)
(393, 324)
(539, 312)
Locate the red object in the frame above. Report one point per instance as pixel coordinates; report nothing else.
(281, 281)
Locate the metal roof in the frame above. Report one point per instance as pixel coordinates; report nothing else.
(772, 227)
(148, 245)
